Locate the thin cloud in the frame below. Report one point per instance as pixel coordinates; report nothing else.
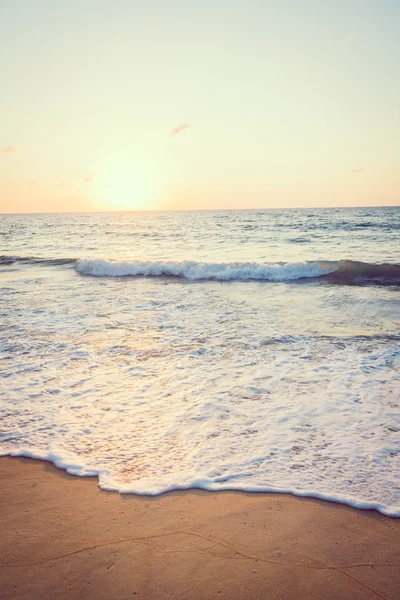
(179, 129)
(88, 179)
(10, 149)
(31, 183)
(357, 170)
(106, 187)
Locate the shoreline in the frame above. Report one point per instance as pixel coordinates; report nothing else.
(64, 537)
(307, 495)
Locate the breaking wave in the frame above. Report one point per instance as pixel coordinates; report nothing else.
(193, 270)
(341, 272)
(346, 271)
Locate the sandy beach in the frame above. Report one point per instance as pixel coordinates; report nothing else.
(62, 538)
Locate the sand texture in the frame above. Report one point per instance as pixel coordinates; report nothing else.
(63, 538)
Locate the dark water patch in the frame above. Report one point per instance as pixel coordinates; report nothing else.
(299, 240)
(359, 273)
(34, 260)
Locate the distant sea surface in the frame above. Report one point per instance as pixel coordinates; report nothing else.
(253, 350)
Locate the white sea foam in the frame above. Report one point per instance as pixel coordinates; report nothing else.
(109, 483)
(199, 270)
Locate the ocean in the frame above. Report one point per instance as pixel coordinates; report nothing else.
(253, 350)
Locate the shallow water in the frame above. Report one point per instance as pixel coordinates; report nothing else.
(238, 350)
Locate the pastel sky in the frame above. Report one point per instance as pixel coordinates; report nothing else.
(187, 104)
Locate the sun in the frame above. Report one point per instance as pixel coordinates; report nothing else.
(125, 184)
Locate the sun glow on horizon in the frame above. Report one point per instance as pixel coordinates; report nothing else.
(126, 184)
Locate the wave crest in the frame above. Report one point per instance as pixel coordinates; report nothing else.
(336, 272)
(340, 272)
(193, 270)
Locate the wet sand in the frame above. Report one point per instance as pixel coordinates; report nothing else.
(63, 538)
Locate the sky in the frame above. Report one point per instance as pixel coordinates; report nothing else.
(129, 105)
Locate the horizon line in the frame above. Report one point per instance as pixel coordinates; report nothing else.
(163, 210)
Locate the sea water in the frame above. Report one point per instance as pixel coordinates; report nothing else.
(253, 350)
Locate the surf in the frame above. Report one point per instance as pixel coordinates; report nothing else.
(343, 272)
